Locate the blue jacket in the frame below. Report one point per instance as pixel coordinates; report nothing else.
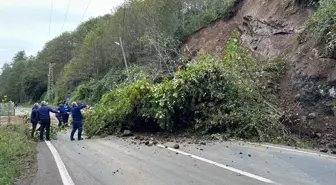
(67, 108)
(77, 116)
(62, 110)
(34, 115)
(44, 112)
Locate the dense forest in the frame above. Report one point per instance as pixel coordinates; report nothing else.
(209, 95)
(152, 31)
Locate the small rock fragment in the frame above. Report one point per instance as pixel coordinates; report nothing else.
(249, 155)
(297, 97)
(333, 152)
(241, 153)
(203, 143)
(318, 135)
(147, 143)
(137, 137)
(176, 146)
(324, 150)
(127, 133)
(312, 115)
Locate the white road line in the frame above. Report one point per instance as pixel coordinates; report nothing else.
(60, 165)
(220, 165)
(295, 150)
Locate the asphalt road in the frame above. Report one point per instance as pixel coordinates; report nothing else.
(116, 161)
(22, 111)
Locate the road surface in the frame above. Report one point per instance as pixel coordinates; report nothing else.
(22, 111)
(117, 161)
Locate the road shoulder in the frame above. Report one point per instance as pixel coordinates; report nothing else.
(47, 172)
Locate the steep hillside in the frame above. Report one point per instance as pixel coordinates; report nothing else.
(271, 29)
(268, 28)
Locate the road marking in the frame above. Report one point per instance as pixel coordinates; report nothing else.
(295, 150)
(60, 165)
(221, 165)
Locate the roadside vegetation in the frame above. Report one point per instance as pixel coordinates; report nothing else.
(152, 31)
(210, 96)
(17, 153)
(323, 24)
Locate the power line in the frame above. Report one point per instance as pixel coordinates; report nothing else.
(51, 11)
(66, 15)
(87, 7)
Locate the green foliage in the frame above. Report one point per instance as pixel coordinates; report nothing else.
(117, 109)
(209, 96)
(16, 154)
(323, 24)
(89, 92)
(201, 13)
(151, 32)
(269, 78)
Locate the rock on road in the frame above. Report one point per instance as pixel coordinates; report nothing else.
(116, 161)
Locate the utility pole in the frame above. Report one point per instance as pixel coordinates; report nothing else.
(124, 55)
(50, 82)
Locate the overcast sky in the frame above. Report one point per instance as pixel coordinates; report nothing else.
(24, 24)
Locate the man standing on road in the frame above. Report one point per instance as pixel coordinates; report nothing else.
(66, 116)
(44, 119)
(34, 118)
(60, 115)
(77, 118)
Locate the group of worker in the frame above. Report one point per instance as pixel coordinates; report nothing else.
(41, 115)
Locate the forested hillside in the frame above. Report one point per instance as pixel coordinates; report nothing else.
(152, 31)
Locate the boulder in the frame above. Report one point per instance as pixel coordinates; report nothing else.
(324, 150)
(176, 146)
(312, 115)
(127, 133)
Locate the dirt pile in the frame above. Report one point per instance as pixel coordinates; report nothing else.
(274, 28)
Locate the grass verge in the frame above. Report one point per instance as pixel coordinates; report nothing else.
(17, 152)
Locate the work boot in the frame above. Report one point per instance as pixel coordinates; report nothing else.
(72, 139)
(79, 139)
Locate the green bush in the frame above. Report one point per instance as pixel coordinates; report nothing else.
(90, 92)
(209, 96)
(323, 24)
(117, 110)
(17, 152)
